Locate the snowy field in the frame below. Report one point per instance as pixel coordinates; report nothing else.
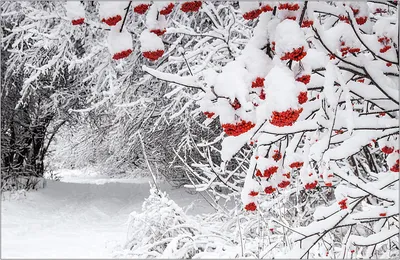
(82, 216)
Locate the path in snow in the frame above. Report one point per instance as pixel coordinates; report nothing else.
(82, 218)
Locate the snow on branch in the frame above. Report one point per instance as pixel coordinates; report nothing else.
(186, 81)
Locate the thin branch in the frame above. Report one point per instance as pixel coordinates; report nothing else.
(147, 161)
(126, 14)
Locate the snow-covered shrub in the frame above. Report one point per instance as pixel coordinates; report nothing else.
(159, 227)
(163, 230)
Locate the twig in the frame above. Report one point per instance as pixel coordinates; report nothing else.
(303, 12)
(126, 14)
(147, 161)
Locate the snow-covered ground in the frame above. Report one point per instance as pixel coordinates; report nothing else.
(82, 216)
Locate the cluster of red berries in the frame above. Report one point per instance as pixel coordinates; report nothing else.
(384, 40)
(262, 94)
(381, 114)
(269, 190)
(388, 64)
(396, 166)
(122, 54)
(277, 155)
(267, 8)
(209, 114)
(251, 206)
(310, 186)
(361, 80)
(193, 6)
(380, 11)
(237, 129)
(385, 49)
(252, 14)
(305, 79)
(168, 9)
(307, 23)
(302, 97)
(332, 56)
(296, 54)
(338, 132)
(253, 193)
(387, 150)
(344, 50)
(236, 104)
(373, 141)
(288, 6)
(273, 46)
(344, 18)
(111, 21)
(283, 184)
(153, 55)
(291, 18)
(158, 32)
(287, 175)
(355, 10)
(78, 21)
(258, 83)
(141, 9)
(268, 172)
(361, 20)
(285, 118)
(343, 204)
(383, 214)
(296, 165)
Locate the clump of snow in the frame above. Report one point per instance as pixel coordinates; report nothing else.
(256, 61)
(250, 186)
(75, 10)
(315, 59)
(249, 6)
(154, 20)
(289, 36)
(150, 42)
(233, 82)
(119, 41)
(112, 9)
(281, 90)
(232, 144)
(271, 28)
(260, 35)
